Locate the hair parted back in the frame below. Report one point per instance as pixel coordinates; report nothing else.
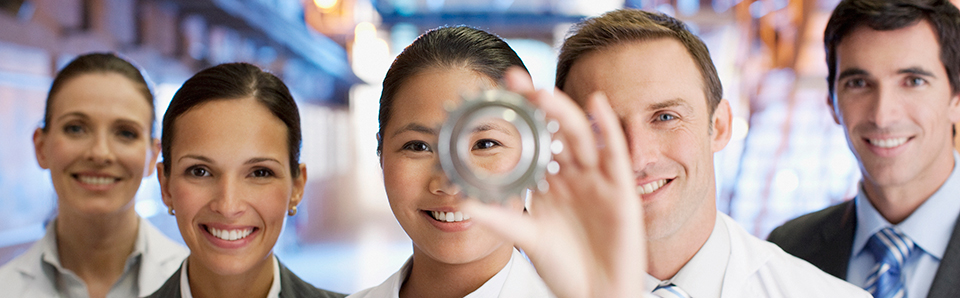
(99, 63)
(446, 47)
(883, 15)
(630, 25)
(234, 81)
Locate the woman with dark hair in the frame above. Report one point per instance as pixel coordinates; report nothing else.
(231, 174)
(452, 257)
(97, 141)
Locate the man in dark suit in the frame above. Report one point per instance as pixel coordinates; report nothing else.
(893, 81)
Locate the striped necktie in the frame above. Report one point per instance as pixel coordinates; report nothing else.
(890, 248)
(670, 291)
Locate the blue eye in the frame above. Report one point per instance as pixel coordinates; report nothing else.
(416, 146)
(916, 81)
(666, 117)
(485, 144)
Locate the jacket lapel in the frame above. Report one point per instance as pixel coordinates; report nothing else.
(945, 283)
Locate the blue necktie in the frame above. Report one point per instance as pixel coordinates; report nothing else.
(670, 291)
(890, 248)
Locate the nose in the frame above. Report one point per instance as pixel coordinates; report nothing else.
(440, 184)
(100, 151)
(228, 199)
(644, 148)
(886, 109)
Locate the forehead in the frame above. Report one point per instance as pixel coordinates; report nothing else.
(105, 94)
(230, 128)
(638, 72)
(888, 51)
(421, 97)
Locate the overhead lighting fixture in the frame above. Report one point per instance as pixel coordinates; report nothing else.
(325, 4)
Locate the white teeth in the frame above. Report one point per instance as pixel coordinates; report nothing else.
(96, 180)
(231, 235)
(888, 143)
(651, 187)
(449, 216)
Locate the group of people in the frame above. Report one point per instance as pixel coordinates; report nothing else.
(631, 212)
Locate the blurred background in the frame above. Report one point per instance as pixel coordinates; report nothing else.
(787, 156)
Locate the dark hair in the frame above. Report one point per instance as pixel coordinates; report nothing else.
(99, 63)
(232, 81)
(458, 46)
(629, 25)
(883, 15)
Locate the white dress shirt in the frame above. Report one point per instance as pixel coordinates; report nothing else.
(517, 279)
(930, 227)
(274, 286)
(734, 263)
(37, 273)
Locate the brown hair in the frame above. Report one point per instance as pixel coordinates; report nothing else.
(233, 81)
(459, 46)
(99, 63)
(882, 15)
(628, 25)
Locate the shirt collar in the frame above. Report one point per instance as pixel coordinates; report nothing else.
(51, 255)
(274, 287)
(491, 288)
(702, 276)
(925, 226)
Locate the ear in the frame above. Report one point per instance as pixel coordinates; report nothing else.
(954, 108)
(380, 150)
(721, 126)
(39, 138)
(833, 108)
(152, 156)
(164, 186)
(298, 185)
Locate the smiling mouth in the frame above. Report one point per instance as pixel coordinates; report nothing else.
(229, 235)
(652, 186)
(448, 216)
(95, 180)
(888, 143)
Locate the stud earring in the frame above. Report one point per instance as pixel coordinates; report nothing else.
(292, 211)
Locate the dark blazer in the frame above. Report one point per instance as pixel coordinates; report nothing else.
(291, 286)
(825, 239)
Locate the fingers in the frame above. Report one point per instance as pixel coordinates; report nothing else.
(616, 157)
(518, 80)
(514, 227)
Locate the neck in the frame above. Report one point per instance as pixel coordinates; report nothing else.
(667, 255)
(96, 248)
(205, 283)
(432, 278)
(896, 202)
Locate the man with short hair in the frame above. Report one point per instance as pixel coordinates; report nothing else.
(664, 88)
(894, 81)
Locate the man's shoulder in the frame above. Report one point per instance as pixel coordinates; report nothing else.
(801, 230)
(784, 275)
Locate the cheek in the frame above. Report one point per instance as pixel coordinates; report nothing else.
(271, 201)
(188, 199)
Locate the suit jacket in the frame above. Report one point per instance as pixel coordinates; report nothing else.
(825, 239)
(291, 286)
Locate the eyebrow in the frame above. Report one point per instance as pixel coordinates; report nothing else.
(852, 72)
(491, 126)
(917, 71)
(416, 128)
(261, 159)
(676, 102)
(77, 114)
(197, 157)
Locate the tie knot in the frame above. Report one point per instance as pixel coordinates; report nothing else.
(670, 291)
(890, 246)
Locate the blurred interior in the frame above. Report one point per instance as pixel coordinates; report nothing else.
(787, 156)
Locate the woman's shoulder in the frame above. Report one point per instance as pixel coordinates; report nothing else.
(170, 288)
(292, 286)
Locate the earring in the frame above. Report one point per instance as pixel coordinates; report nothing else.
(292, 211)
(170, 210)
